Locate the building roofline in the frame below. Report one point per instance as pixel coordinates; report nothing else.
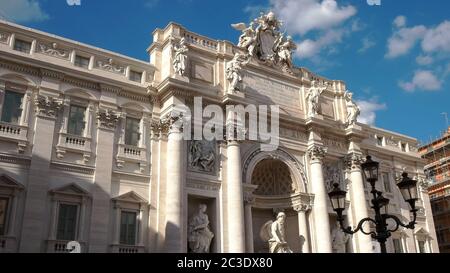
(5, 23)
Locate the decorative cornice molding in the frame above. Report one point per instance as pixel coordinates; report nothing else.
(73, 168)
(19, 68)
(13, 159)
(110, 88)
(81, 83)
(47, 106)
(52, 74)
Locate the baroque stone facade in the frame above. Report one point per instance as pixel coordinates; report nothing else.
(96, 154)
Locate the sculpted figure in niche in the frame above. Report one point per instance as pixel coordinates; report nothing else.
(313, 98)
(180, 57)
(353, 110)
(199, 233)
(234, 72)
(275, 233)
(339, 240)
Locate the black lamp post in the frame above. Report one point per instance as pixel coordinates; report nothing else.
(380, 204)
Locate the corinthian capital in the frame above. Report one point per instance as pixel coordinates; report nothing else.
(47, 106)
(353, 161)
(317, 152)
(172, 123)
(107, 119)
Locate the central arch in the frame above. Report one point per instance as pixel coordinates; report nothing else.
(279, 183)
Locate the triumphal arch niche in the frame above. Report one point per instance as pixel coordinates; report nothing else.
(280, 185)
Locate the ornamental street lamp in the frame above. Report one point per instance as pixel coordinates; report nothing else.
(408, 189)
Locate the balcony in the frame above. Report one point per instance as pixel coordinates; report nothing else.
(60, 246)
(127, 249)
(133, 154)
(14, 133)
(74, 144)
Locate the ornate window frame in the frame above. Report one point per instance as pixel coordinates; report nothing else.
(129, 153)
(421, 235)
(17, 133)
(11, 190)
(131, 202)
(74, 195)
(72, 143)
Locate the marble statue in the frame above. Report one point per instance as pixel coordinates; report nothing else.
(284, 48)
(313, 97)
(353, 110)
(199, 233)
(234, 72)
(202, 156)
(339, 240)
(275, 233)
(263, 40)
(180, 57)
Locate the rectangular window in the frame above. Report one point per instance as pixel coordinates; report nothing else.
(132, 135)
(82, 61)
(422, 247)
(12, 107)
(22, 46)
(3, 213)
(135, 76)
(76, 120)
(387, 182)
(398, 246)
(128, 228)
(67, 222)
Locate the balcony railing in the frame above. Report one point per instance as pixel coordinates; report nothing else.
(128, 153)
(60, 246)
(75, 144)
(15, 133)
(127, 249)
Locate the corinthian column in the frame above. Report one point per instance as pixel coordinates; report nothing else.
(174, 182)
(303, 226)
(320, 209)
(358, 200)
(236, 231)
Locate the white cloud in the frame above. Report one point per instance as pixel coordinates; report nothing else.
(369, 109)
(367, 43)
(324, 16)
(22, 10)
(422, 80)
(309, 48)
(400, 21)
(437, 39)
(403, 40)
(302, 16)
(424, 60)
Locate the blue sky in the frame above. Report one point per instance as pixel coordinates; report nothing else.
(394, 57)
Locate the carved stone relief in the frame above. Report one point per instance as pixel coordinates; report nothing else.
(202, 156)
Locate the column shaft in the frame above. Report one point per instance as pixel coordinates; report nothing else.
(236, 236)
(303, 231)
